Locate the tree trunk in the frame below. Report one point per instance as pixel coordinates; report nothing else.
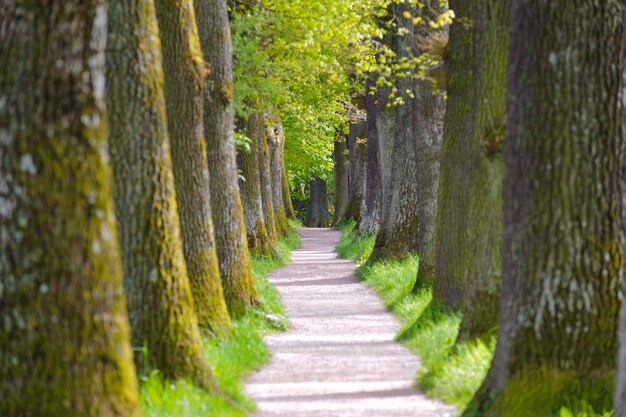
(65, 344)
(317, 210)
(276, 142)
(250, 185)
(182, 65)
(397, 237)
(160, 303)
(357, 146)
(563, 241)
(340, 171)
(484, 94)
(262, 152)
(230, 233)
(286, 192)
(370, 207)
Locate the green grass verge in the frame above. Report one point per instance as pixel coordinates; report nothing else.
(450, 373)
(231, 358)
(452, 377)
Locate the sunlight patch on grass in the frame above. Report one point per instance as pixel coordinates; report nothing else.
(231, 358)
(450, 376)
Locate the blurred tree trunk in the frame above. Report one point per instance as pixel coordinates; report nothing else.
(230, 233)
(317, 210)
(160, 304)
(340, 171)
(250, 185)
(286, 192)
(276, 142)
(370, 207)
(65, 343)
(563, 242)
(357, 148)
(183, 66)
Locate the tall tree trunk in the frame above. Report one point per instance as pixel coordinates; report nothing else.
(276, 142)
(65, 344)
(484, 94)
(250, 185)
(230, 233)
(286, 192)
(370, 207)
(317, 210)
(397, 237)
(427, 109)
(563, 243)
(183, 66)
(160, 303)
(340, 171)
(357, 147)
(262, 153)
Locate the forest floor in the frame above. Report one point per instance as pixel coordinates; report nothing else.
(340, 357)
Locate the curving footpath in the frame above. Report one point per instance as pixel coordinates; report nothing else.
(339, 358)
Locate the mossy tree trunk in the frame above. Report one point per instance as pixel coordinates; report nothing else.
(184, 83)
(262, 152)
(340, 172)
(370, 207)
(483, 93)
(563, 242)
(276, 143)
(317, 209)
(284, 179)
(230, 233)
(250, 185)
(65, 343)
(160, 304)
(357, 152)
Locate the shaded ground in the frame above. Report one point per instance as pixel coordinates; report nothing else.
(339, 359)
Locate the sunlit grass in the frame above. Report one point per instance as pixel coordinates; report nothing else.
(450, 376)
(231, 358)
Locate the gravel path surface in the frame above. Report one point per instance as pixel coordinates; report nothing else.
(339, 358)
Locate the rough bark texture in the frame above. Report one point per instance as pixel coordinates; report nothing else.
(65, 343)
(230, 232)
(563, 242)
(416, 126)
(317, 210)
(340, 171)
(484, 87)
(160, 303)
(250, 185)
(469, 217)
(276, 142)
(370, 207)
(183, 66)
(262, 152)
(357, 147)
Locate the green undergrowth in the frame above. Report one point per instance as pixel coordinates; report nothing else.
(231, 358)
(450, 372)
(452, 376)
(352, 245)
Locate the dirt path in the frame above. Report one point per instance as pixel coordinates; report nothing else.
(339, 359)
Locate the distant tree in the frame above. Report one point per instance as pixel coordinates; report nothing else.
(65, 344)
(317, 209)
(262, 153)
(184, 87)
(260, 241)
(160, 304)
(370, 206)
(340, 171)
(276, 144)
(357, 152)
(230, 233)
(563, 242)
